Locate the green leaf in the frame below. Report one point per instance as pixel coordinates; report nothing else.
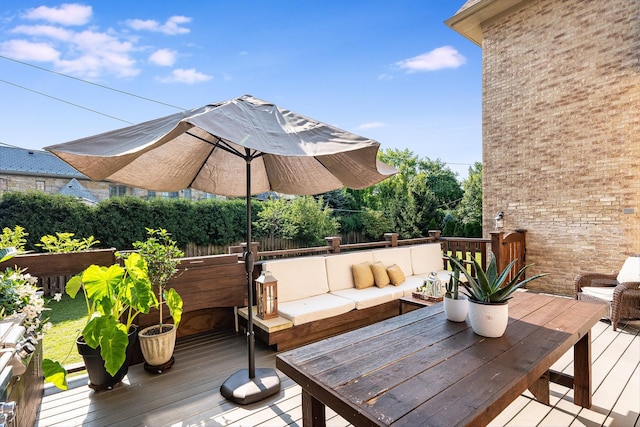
(174, 302)
(98, 281)
(73, 285)
(55, 373)
(113, 347)
(7, 253)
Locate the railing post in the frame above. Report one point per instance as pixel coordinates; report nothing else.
(435, 234)
(497, 249)
(391, 238)
(254, 248)
(334, 243)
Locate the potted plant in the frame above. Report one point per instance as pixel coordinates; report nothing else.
(488, 295)
(114, 297)
(455, 303)
(157, 342)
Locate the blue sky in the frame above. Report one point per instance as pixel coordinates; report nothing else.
(388, 70)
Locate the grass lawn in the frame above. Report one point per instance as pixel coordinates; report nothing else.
(67, 317)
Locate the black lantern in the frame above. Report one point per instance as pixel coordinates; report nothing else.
(267, 295)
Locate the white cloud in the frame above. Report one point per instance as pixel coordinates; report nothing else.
(163, 57)
(372, 125)
(385, 77)
(49, 31)
(24, 50)
(66, 14)
(189, 76)
(170, 27)
(437, 59)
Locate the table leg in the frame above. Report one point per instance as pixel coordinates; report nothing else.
(582, 371)
(540, 389)
(313, 411)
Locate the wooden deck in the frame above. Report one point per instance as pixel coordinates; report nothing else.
(188, 394)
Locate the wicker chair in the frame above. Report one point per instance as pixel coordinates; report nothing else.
(619, 291)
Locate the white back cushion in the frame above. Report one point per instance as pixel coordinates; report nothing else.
(339, 274)
(426, 258)
(399, 256)
(298, 277)
(630, 271)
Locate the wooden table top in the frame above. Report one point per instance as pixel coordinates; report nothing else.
(420, 369)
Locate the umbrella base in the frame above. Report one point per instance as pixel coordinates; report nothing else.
(239, 388)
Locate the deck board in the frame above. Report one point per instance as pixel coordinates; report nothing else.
(188, 394)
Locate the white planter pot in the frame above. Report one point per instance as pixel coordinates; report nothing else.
(489, 320)
(456, 309)
(157, 349)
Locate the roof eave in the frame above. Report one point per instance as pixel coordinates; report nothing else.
(468, 21)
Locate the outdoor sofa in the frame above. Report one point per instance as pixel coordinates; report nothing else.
(318, 296)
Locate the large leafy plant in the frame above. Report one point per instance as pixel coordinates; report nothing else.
(114, 296)
(491, 287)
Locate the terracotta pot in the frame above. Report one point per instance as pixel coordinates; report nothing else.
(157, 347)
(456, 309)
(489, 320)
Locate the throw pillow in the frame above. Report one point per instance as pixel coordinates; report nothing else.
(380, 275)
(395, 274)
(362, 275)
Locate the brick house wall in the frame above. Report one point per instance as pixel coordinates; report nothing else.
(561, 133)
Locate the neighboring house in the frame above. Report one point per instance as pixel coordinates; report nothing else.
(34, 170)
(561, 128)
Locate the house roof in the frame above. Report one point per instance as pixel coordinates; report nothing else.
(15, 160)
(469, 19)
(75, 189)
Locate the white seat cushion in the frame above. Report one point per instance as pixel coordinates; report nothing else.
(604, 293)
(298, 277)
(426, 258)
(314, 308)
(409, 286)
(339, 273)
(370, 297)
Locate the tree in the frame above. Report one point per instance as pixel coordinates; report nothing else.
(303, 219)
(420, 192)
(470, 208)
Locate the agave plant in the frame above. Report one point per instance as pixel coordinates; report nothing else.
(490, 287)
(451, 287)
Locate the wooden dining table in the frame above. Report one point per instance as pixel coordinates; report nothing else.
(421, 369)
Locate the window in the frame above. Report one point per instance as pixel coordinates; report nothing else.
(117, 190)
(4, 184)
(151, 194)
(173, 194)
(40, 185)
(187, 194)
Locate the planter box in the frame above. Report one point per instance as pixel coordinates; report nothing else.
(53, 270)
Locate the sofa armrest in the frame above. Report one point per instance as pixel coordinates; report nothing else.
(593, 280)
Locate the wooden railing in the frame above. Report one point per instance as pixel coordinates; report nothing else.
(505, 247)
(53, 270)
(508, 247)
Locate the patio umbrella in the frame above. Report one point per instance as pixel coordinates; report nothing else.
(241, 147)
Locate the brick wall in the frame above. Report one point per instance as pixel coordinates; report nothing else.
(561, 133)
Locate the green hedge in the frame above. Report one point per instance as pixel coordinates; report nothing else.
(119, 222)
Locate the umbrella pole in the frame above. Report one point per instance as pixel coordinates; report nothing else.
(250, 385)
(248, 265)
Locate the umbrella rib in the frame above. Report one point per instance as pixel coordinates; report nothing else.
(222, 144)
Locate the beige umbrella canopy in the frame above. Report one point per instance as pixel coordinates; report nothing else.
(206, 149)
(240, 147)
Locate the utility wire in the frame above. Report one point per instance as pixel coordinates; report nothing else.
(66, 102)
(94, 84)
